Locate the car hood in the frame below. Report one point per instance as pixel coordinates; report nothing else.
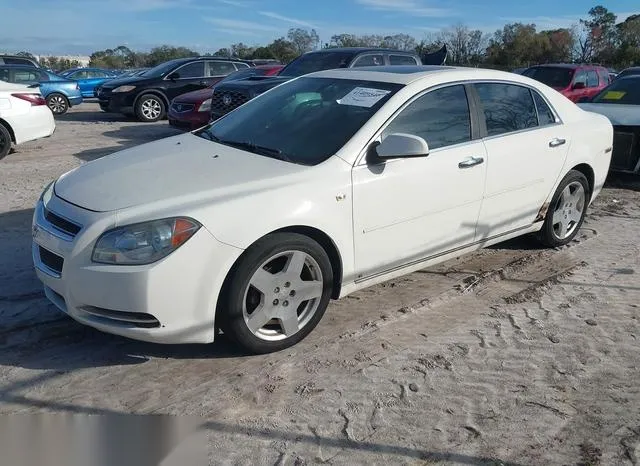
(623, 115)
(176, 170)
(195, 97)
(113, 83)
(253, 85)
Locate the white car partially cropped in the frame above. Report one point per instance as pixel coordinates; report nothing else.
(322, 186)
(24, 116)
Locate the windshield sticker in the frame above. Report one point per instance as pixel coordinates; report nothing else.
(614, 95)
(363, 97)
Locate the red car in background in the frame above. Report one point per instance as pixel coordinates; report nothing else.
(575, 82)
(193, 110)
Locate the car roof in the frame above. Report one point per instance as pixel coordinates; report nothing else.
(569, 66)
(408, 74)
(361, 50)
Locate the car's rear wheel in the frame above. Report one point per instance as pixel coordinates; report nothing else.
(5, 141)
(150, 108)
(566, 211)
(57, 103)
(277, 293)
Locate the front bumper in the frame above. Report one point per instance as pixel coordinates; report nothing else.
(121, 102)
(170, 301)
(188, 120)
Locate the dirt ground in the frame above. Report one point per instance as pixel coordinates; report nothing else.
(513, 355)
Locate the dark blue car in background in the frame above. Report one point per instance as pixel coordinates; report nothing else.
(60, 93)
(88, 79)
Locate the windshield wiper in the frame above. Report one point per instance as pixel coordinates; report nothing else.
(251, 147)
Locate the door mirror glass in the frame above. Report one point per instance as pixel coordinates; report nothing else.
(579, 85)
(398, 145)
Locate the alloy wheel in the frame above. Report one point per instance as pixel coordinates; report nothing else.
(283, 295)
(151, 109)
(57, 104)
(569, 210)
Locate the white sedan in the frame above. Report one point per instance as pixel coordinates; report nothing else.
(24, 116)
(325, 185)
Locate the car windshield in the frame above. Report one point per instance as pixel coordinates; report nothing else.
(556, 77)
(623, 91)
(318, 61)
(304, 121)
(162, 68)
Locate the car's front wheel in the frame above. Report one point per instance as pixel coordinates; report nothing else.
(57, 103)
(150, 108)
(566, 211)
(5, 141)
(277, 293)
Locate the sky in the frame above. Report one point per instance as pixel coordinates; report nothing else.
(79, 27)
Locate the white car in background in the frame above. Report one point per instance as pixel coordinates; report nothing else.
(322, 186)
(24, 116)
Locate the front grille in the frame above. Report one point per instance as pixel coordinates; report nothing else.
(134, 319)
(51, 260)
(222, 102)
(62, 224)
(626, 148)
(181, 108)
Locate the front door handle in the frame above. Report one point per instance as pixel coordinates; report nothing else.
(557, 142)
(471, 162)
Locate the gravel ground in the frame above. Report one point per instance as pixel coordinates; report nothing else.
(512, 355)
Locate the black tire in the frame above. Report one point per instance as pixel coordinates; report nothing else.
(5, 141)
(549, 235)
(150, 108)
(57, 103)
(231, 315)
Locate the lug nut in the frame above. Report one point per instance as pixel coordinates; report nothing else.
(277, 290)
(276, 302)
(292, 293)
(285, 303)
(287, 285)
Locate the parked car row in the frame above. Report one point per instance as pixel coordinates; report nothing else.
(60, 93)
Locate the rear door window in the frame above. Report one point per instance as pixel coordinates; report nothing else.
(592, 78)
(369, 60)
(219, 68)
(26, 76)
(545, 114)
(402, 60)
(507, 108)
(580, 77)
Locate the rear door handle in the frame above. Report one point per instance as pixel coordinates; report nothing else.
(471, 162)
(557, 142)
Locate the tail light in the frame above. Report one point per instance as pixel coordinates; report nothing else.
(34, 99)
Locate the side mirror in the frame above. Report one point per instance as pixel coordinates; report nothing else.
(578, 86)
(173, 76)
(399, 145)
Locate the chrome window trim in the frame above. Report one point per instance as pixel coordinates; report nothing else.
(361, 159)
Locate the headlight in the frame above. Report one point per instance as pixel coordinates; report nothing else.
(205, 106)
(47, 193)
(123, 89)
(143, 243)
